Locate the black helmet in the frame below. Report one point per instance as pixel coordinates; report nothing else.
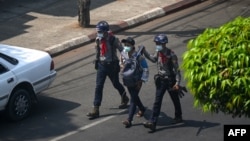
(102, 26)
(129, 40)
(161, 38)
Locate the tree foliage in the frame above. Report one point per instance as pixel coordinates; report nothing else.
(217, 68)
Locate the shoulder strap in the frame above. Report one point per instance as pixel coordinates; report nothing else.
(139, 51)
(138, 55)
(111, 38)
(112, 41)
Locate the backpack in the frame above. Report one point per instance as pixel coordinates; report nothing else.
(132, 71)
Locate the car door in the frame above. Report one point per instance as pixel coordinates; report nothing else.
(7, 83)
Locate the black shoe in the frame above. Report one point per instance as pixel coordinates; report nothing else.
(94, 114)
(124, 103)
(177, 120)
(127, 123)
(150, 125)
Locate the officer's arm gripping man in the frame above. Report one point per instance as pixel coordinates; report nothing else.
(152, 58)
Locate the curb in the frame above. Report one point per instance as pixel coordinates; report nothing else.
(118, 26)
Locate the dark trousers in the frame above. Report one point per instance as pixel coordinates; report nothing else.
(134, 102)
(112, 71)
(165, 85)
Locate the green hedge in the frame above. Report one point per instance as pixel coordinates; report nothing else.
(217, 68)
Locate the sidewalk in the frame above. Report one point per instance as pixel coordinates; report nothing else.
(52, 26)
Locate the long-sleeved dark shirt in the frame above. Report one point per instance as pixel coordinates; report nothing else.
(112, 44)
(169, 67)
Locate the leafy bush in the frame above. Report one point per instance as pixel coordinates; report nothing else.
(217, 68)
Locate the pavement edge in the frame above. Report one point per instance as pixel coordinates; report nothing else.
(118, 26)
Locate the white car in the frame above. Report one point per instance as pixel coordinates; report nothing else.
(23, 74)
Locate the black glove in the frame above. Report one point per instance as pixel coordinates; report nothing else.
(184, 89)
(181, 91)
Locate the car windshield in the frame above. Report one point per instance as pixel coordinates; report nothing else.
(11, 60)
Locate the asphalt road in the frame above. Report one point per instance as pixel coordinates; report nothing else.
(60, 113)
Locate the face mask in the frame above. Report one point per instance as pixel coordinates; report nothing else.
(100, 35)
(158, 48)
(127, 49)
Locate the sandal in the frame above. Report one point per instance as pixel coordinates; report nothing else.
(140, 113)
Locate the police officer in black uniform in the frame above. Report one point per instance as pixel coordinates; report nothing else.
(167, 79)
(107, 64)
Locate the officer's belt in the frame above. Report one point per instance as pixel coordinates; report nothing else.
(107, 62)
(164, 77)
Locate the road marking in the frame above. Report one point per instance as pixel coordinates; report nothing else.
(85, 127)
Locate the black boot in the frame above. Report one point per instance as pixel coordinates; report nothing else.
(127, 123)
(150, 125)
(177, 120)
(94, 114)
(124, 102)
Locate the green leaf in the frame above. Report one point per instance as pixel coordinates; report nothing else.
(216, 67)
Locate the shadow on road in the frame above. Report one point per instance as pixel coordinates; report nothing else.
(15, 14)
(50, 117)
(164, 123)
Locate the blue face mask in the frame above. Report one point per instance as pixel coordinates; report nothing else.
(158, 48)
(100, 35)
(127, 48)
